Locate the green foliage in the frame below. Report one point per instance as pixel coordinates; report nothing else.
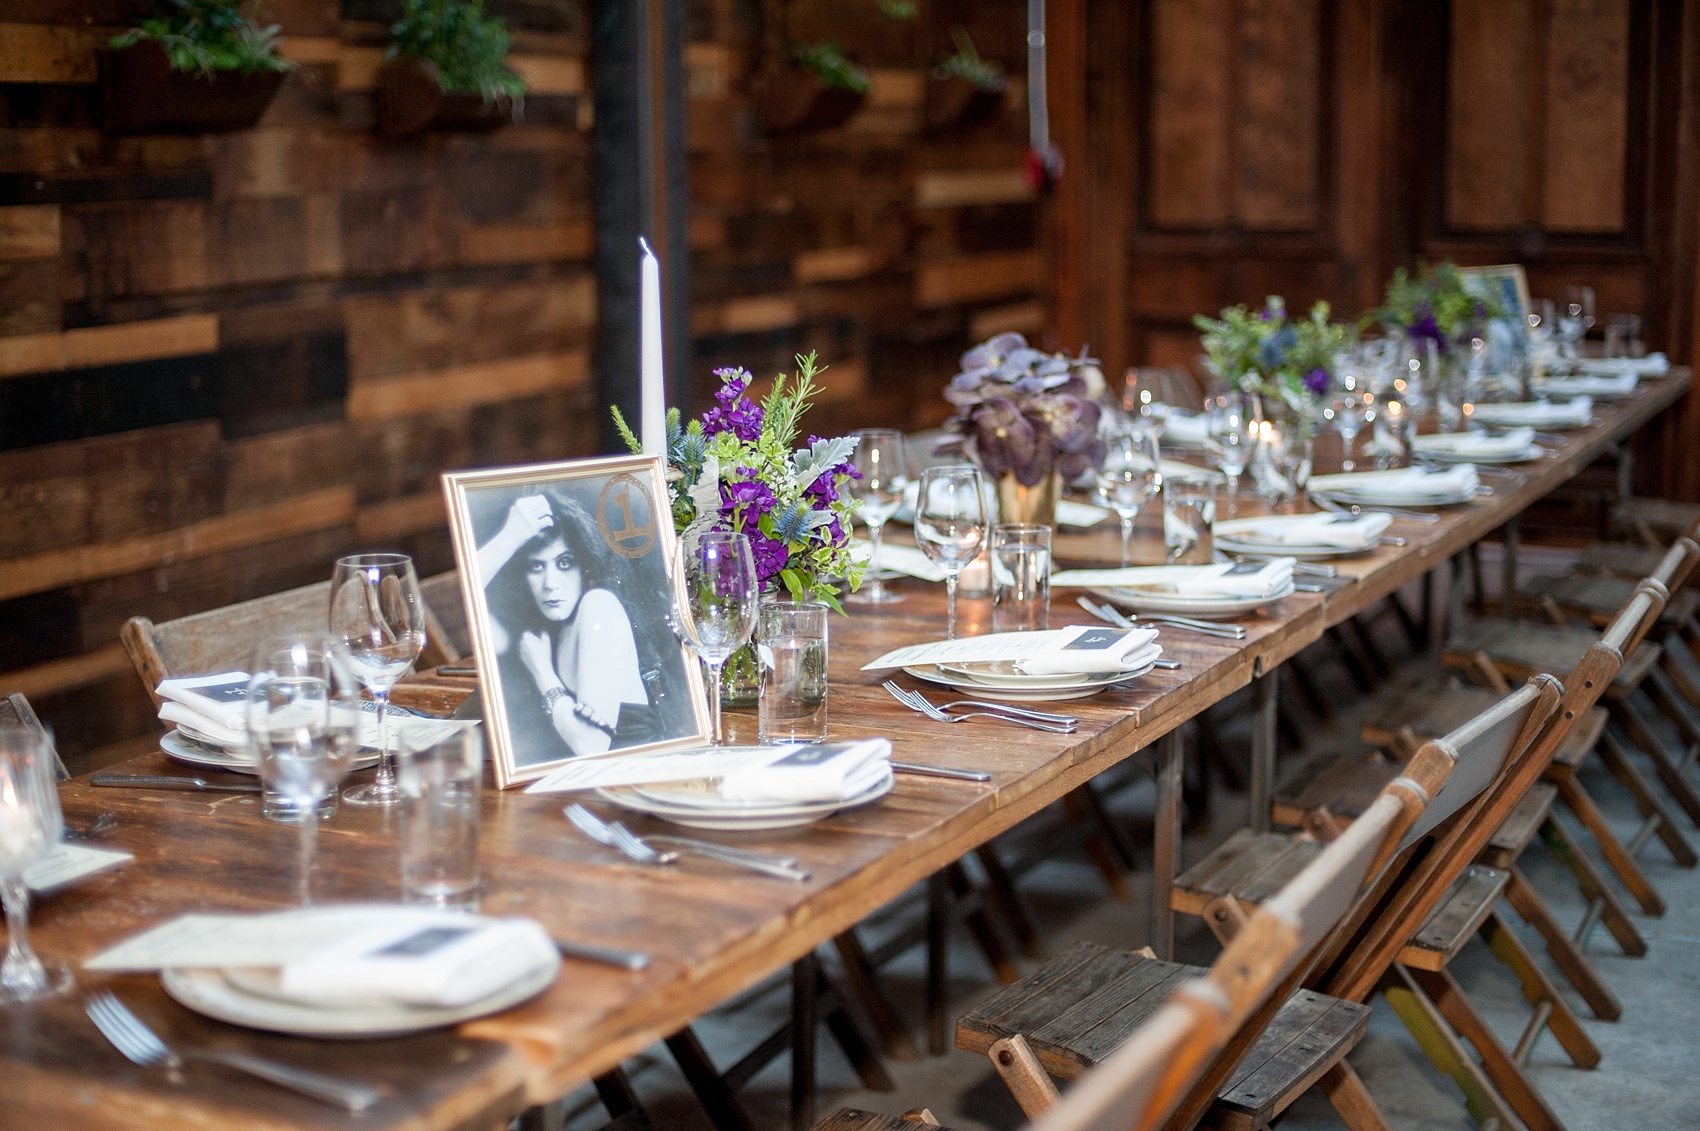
(1267, 354)
(469, 48)
(208, 36)
(967, 64)
(832, 67)
(899, 9)
(1435, 304)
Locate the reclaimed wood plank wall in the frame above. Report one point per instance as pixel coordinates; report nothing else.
(227, 360)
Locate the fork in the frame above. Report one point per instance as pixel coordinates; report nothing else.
(619, 837)
(918, 702)
(1329, 504)
(1037, 716)
(141, 1045)
(1112, 615)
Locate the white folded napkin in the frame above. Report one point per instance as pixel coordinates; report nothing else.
(1649, 366)
(215, 707)
(1090, 649)
(1071, 513)
(827, 771)
(221, 699)
(1348, 532)
(1512, 443)
(1406, 482)
(1615, 386)
(447, 960)
(1539, 414)
(1219, 579)
(1183, 429)
(902, 559)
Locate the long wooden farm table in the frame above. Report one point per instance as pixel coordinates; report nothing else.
(711, 933)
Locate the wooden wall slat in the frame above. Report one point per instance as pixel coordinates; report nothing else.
(1587, 115)
(465, 386)
(970, 278)
(29, 231)
(107, 345)
(314, 511)
(41, 53)
(1278, 124)
(1192, 49)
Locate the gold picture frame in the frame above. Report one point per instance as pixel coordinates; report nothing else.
(574, 668)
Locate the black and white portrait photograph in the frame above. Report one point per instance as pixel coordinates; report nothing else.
(564, 568)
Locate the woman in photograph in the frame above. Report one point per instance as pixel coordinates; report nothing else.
(570, 660)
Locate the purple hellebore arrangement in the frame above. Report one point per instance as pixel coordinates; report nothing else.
(1024, 411)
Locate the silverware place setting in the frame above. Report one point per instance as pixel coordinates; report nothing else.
(1222, 630)
(141, 1045)
(1034, 720)
(643, 850)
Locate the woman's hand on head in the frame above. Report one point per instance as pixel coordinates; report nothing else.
(537, 652)
(530, 516)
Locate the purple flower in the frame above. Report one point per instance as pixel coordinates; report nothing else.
(732, 413)
(1427, 327)
(770, 554)
(1316, 381)
(745, 501)
(1003, 437)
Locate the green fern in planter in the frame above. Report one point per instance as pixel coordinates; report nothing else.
(208, 36)
(468, 48)
(832, 67)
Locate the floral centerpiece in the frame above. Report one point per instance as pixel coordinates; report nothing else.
(739, 468)
(1287, 362)
(1436, 306)
(1028, 419)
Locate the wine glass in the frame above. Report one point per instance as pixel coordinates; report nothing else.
(1146, 396)
(1126, 476)
(1230, 440)
(1577, 319)
(719, 607)
(1348, 407)
(303, 728)
(879, 462)
(378, 622)
(950, 525)
(30, 827)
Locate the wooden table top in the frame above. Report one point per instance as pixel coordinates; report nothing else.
(711, 933)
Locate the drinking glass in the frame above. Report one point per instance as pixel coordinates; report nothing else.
(378, 622)
(1577, 318)
(1542, 320)
(950, 525)
(879, 462)
(1231, 437)
(1148, 395)
(719, 607)
(30, 827)
(1021, 577)
(791, 639)
(1127, 475)
(1348, 409)
(1623, 335)
(1189, 520)
(303, 728)
(439, 821)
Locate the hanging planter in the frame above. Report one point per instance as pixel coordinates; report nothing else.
(142, 93)
(410, 99)
(953, 102)
(819, 89)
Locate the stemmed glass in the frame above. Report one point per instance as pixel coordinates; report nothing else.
(1578, 318)
(1127, 476)
(303, 728)
(30, 827)
(1348, 409)
(1230, 440)
(378, 622)
(1146, 396)
(950, 525)
(879, 462)
(718, 571)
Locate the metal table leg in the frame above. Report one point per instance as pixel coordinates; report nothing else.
(1508, 566)
(1165, 857)
(1263, 743)
(805, 991)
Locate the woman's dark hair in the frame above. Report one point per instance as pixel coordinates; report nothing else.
(510, 599)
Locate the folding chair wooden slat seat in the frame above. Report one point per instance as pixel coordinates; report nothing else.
(1653, 518)
(1625, 559)
(1599, 596)
(1520, 649)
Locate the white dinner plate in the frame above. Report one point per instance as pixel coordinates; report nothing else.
(1441, 455)
(180, 747)
(739, 816)
(1392, 499)
(250, 997)
(1007, 673)
(1200, 608)
(1286, 549)
(1082, 686)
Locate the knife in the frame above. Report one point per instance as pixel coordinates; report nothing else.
(167, 781)
(940, 772)
(612, 956)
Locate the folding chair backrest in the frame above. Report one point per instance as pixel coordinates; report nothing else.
(1140, 1084)
(15, 710)
(221, 640)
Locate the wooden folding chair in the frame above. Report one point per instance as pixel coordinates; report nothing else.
(1430, 1001)
(15, 710)
(1141, 1081)
(1069, 1015)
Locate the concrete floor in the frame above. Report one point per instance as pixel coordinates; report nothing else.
(1648, 1080)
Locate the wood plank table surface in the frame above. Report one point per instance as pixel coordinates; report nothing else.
(712, 933)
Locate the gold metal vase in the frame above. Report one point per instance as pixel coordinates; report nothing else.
(1036, 504)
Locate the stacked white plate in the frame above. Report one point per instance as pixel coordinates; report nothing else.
(1142, 600)
(1516, 446)
(698, 804)
(1003, 680)
(252, 996)
(1307, 536)
(1408, 487)
(191, 749)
